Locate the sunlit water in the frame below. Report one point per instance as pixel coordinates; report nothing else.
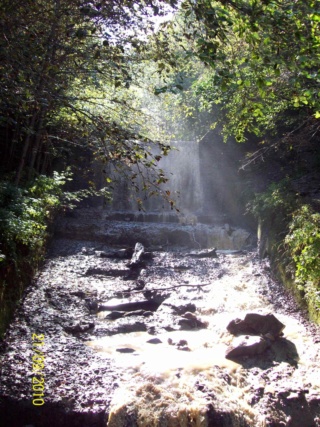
(161, 381)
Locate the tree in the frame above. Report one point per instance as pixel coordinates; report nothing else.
(262, 61)
(50, 51)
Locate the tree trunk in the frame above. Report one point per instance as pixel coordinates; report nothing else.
(25, 149)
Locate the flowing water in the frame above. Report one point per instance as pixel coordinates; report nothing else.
(104, 371)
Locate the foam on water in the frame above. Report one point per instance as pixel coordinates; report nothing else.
(165, 386)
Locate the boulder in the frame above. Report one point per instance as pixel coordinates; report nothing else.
(190, 321)
(247, 347)
(257, 324)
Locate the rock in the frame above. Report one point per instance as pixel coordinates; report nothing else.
(124, 253)
(102, 254)
(208, 253)
(140, 285)
(246, 346)
(136, 260)
(182, 343)
(191, 322)
(184, 348)
(87, 251)
(190, 307)
(257, 324)
(145, 305)
(92, 271)
(135, 313)
(147, 313)
(125, 350)
(130, 327)
(147, 256)
(189, 315)
(154, 341)
(114, 315)
(79, 294)
(79, 327)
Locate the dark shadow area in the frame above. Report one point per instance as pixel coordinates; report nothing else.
(281, 350)
(298, 410)
(18, 413)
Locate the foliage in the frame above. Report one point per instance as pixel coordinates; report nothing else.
(276, 204)
(303, 242)
(65, 76)
(262, 61)
(24, 213)
(296, 230)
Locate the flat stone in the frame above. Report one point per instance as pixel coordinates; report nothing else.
(154, 341)
(209, 253)
(125, 350)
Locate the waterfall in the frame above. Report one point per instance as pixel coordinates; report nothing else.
(182, 167)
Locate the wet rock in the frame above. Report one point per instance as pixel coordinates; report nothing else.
(92, 305)
(125, 253)
(246, 346)
(189, 315)
(181, 268)
(184, 348)
(134, 313)
(133, 274)
(125, 350)
(190, 321)
(147, 313)
(114, 315)
(145, 305)
(208, 253)
(154, 341)
(182, 343)
(79, 294)
(131, 327)
(256, 324)
(87, 251)
(113, 272)
(101, 254)
(181, 309)
(140, 285)
(147, 256)
(79, 327)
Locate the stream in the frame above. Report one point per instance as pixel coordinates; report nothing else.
(96, 343)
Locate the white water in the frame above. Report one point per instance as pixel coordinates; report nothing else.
(158, 381)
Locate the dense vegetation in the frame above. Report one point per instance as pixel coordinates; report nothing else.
(114, 78)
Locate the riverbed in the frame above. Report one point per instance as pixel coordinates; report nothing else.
(104, 362)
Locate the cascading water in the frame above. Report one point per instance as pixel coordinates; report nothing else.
(182, 167)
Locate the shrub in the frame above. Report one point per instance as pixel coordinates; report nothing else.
(303, 243)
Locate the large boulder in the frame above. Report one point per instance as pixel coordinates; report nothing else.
(247, 347)
(257, 324)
